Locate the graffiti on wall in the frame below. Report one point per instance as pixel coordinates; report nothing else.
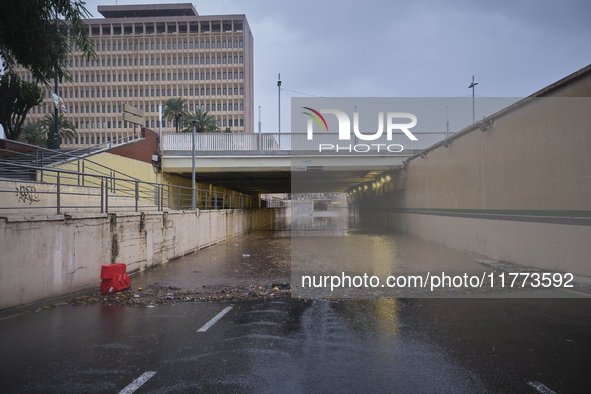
(27, 194)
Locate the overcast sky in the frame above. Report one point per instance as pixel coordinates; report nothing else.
(418, 48)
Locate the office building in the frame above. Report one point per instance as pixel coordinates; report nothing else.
(147, 54)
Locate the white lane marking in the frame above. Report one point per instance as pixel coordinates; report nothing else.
(540, 388)
(215, 319)
(136, 384)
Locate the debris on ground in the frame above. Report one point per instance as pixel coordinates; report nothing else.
(157, 295)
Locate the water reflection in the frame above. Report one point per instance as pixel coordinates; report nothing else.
(335, 254)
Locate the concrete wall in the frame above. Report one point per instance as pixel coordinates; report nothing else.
(48, 256)
(519, 192)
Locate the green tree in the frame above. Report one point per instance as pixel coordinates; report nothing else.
(65, 127)
(174, 109)
(34, 134)
(227, 130)
(34, 33)
(17, 97)
(204, 123)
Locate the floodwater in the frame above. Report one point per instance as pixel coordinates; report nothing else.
(336, 255)
(332, 254)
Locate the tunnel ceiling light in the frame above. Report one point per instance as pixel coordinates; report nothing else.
(365, 187)
(388, 177)
(383, 180)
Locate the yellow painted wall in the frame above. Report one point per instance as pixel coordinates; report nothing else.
(102, 163)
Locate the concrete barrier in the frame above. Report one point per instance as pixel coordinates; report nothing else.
(53, 255)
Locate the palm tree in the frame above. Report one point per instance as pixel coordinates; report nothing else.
(175, 109)
(204, 123)
(65, 127)
(34, 134)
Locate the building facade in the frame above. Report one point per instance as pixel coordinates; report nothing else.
(147, 54)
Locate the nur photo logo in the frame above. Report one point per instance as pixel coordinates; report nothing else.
(394, 121)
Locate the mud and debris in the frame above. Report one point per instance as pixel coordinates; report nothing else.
(159, 295)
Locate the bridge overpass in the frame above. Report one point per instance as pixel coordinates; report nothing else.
(270, 162)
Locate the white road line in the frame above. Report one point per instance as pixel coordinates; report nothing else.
(540, 388)
(133, 386)
(215, 319)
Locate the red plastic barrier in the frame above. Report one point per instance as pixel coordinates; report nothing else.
(114, 278)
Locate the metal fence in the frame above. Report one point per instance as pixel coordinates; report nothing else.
(286, 141)
(64, 191)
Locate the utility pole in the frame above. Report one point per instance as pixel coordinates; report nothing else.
(279, 105)
(447, 122)
(56, 110)
(260, 142)
(193, 199)
(161, 142)
(279, 98)
(56, 117)
(472, 85)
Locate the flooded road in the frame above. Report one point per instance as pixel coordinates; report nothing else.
(366, 253)
(260, 258)
(259, 339)
(332, 254)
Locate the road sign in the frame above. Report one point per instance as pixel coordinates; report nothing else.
(128, 117)
(133, 115)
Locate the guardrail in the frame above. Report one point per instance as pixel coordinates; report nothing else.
(286, 141)
(64, 191)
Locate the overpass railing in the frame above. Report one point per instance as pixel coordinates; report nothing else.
(286, 141)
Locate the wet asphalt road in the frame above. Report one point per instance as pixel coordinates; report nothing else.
(296, 346)
(390, 345)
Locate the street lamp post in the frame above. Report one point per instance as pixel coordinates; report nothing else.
(56, 110)
(260, 142)
(193, 204)
(279, 105)
(472, 85)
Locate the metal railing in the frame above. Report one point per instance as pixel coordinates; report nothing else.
(64, 191)
(73, 160)
(287, 141)
(42, 156)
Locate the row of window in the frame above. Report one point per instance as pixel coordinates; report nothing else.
(156, 46)
(124, 62)
(157, 92)
(74, 109)
(106, 109)
(90, 78)
(170, 27)
(149, 123)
